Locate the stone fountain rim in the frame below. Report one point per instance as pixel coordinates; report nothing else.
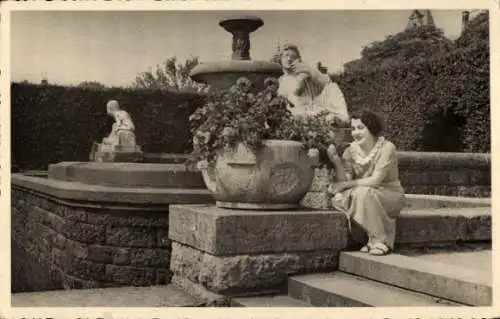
(242, 17)
(236, 66)
(127, 175)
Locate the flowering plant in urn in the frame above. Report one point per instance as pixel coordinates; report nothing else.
(252, 152)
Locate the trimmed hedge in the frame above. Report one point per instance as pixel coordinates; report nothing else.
(475, 106)
(438, 102)
(53, 123)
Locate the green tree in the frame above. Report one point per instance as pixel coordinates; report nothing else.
(403, 48)
(422, 41)
(171, 75)
(476, 33)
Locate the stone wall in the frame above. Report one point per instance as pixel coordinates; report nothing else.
(63, 244)
(452, 174)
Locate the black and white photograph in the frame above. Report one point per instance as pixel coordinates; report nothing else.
(249, 158)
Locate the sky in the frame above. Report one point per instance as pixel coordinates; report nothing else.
(112, 47)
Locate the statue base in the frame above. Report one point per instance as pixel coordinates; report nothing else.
(115, 153)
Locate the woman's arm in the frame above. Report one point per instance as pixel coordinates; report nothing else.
(341, 173)
(372, 181)
(386, 159)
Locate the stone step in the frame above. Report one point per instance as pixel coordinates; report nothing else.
(155, 296)
(433, 220)
(442, 280)
(443, 225)
(426, 201)
(268, 301)
(340, 289)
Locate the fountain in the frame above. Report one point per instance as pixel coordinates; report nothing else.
(118, 200)
(223, 74)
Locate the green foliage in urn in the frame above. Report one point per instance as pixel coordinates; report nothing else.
(243, 115)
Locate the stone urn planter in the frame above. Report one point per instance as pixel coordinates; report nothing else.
(277, 176)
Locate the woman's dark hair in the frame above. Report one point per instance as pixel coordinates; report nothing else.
(371, 120)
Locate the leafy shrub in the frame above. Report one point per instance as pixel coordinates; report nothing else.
(431, 102)
(474, 106)
(476, 33)
(420, 42)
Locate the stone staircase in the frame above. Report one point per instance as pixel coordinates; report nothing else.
(388, 281)
(362, 280)
(454, 276)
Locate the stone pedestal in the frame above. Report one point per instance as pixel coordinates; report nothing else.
(116, 153)
(219, 253)
(317, 197)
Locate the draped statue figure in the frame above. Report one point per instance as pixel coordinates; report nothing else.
(308, 90)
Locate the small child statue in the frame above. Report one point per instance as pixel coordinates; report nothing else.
(120, 145)
(123, 131)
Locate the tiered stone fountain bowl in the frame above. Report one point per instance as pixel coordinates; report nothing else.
(223, 74)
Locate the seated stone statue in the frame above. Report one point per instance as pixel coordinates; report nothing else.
(309, 90)
(122, 133)
(120, 145)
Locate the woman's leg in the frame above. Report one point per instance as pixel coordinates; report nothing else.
(369, 209)
(357, 234)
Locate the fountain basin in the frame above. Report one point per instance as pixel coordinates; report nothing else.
(127, 175)
(223, 74)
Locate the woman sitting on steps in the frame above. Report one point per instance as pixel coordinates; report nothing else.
(367, 186)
